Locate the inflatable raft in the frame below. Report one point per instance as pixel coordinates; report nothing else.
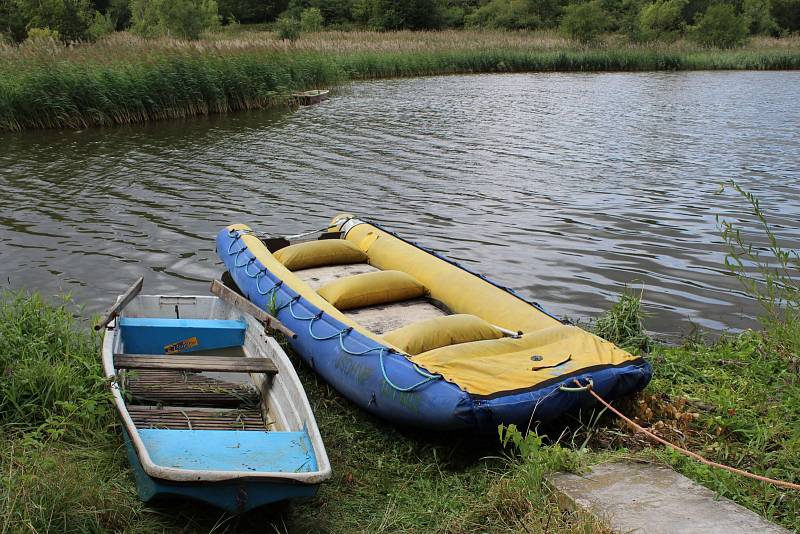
(417, 339)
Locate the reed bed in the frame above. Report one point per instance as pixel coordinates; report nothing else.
(125, 79)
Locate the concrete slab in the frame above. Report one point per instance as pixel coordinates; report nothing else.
(651, 499)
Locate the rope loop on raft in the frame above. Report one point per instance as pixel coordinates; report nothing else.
(579, 388)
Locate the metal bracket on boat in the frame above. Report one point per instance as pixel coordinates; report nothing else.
(246, 306)
(347, 226)
(509, 333)
(114, 311)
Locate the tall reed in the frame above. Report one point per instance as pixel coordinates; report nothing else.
(127, 79)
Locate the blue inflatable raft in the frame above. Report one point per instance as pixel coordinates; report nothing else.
(419, 340)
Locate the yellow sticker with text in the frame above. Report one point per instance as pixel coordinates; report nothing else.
(181, 346)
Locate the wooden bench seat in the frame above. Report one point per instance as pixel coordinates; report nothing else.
(219, 364)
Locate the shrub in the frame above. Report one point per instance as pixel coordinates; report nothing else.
(505, 14)
(585, 22)
(178, 18)
(52, 383)
(623, 324)
(42, 34)
(759, 18)
(787, 14)
(766, 269)
(311, 20)
(250, 11)
(287, 28)
(120, 13)
(70, 18)
(721, 26)
(453, 17)
(399, 14)
(101, 26)
(12, 23)
(661, 21)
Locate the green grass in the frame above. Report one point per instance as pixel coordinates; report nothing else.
(125, 79)
(64, 468)
(736, 402)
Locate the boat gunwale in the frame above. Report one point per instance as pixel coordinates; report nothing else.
(181, 475)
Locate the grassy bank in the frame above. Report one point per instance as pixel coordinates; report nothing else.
(125, 79)
(736, 400)
(64, 468)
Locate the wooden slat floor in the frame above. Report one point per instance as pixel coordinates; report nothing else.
(181, 388)
(185, 418)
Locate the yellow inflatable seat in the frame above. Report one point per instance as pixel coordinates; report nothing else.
(438, 332)
(319, 253)
(510, 364)
(371, 289)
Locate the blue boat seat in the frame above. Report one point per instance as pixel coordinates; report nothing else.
(151, 335)
(230, 450)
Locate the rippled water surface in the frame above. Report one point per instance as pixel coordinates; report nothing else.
(564, 186)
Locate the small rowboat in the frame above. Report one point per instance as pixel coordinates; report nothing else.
(306, 98)
(418, 339)
(211, 407)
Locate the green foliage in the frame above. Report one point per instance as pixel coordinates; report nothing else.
(505, 14)
(288, 28)
(177, 18)
(70, 18)
(758, 14)
(660, 21)
(42, 34)
(585, 22)
(720, 26)
(532, 449)
(251, 11)
(787, 14)
(311, 20)
(399, 14)
(12, 21)
(453, 17)
(623, 324)
(744, 392)
(767, 270)
(102, 25)
(120, 12)
(52, 386)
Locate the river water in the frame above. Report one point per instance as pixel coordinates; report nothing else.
(567, 187)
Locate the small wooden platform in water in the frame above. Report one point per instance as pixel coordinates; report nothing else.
(306, 98)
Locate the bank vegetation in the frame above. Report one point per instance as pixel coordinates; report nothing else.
(124, 78)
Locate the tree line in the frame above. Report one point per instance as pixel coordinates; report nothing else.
(714, 22)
